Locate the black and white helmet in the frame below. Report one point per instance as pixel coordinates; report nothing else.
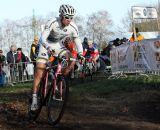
(67, 10)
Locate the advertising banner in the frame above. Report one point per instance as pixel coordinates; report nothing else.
(143, 56)
(144, 12)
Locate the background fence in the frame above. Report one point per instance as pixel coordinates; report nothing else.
(15, 73)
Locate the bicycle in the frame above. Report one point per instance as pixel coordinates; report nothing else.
(53, 92)
(87, 69)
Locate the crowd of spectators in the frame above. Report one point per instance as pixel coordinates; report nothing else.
(15, 60)
(105, 54)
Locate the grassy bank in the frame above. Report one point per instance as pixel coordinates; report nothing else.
(104, 87)
(99, 86)
(19, 87)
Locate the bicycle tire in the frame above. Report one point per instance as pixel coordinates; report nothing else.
(33, 115)
(56, 107)
(84, 73)
(91, 74)
(88, 74)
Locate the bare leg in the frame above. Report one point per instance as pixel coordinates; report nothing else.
(40, 67)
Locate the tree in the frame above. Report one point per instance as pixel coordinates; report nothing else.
(98, 27)
(79, 20)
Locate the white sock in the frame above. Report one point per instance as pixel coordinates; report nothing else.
(34, 98)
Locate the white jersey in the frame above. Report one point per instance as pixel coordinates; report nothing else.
(53, 35)
(54, 32)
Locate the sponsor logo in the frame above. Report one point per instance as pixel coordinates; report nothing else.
(65, 30)
(145, 12)
(43, 54)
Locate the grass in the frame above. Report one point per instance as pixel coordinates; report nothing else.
(100, 87)
(20, 87)
(104, 87)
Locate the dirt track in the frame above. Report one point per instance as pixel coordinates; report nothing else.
(117, 111)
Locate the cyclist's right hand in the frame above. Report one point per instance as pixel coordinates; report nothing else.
(50, 51)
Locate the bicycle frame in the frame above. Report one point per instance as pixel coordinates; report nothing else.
(89, 63)
(56, 73)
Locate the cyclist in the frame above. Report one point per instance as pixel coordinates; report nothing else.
(54, 32)
(92, 51)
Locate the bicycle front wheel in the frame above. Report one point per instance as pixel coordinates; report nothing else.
(57, 101)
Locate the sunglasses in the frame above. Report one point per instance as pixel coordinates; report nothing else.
(68, 17)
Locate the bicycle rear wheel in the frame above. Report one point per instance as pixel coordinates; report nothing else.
(33, 115)
(84, 72)
(91, 74)
(56, 103)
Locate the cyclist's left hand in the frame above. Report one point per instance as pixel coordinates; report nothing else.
(82, 58)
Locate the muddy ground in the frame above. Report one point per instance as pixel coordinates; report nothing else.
(138, 110)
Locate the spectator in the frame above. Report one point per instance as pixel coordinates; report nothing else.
(105, 55)
(20, 60)
(2, 60)
(34, 50)
(85, 43)
(85, 46)
(2, 73)
(117, 42)
(11, 62)
(124, 40)
(139, 37)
